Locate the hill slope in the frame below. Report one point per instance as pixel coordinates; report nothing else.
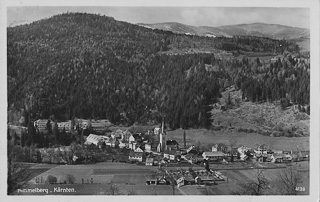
(91, 66)
(256, 29)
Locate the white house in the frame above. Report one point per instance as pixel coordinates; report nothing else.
(149, 161)
(215, 148)
(122, 145)
(156, 131)
(147, 147)
(214, 156)
(94, 139)
(135, 156)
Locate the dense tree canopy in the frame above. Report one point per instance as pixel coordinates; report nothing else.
(91, 66)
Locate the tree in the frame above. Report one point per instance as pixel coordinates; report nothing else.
(17, 172)
(256, 186)
(289, 178)
(113, 190)
(184, 139)
(55, 132)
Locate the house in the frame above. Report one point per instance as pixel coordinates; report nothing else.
(134, 137)
(125, 136)
(138, 149)
(242, 152)
(170, 155)
(156, 131)
(172, 145)
(41, 125)
(180, 181)
(84, 124)
(94, 139)
(151, 181)
(213, 156)
(262, 148)
(135, 156)
(192, 150)
(287, 157)
(122, 145)
(100, 125)
(149, 161)
(67, 126)
(112, 143)
(132, 145)
(214, 148)
(305, 155)
(118, 134)
(277, 158)
(277, 151)
(147, 147)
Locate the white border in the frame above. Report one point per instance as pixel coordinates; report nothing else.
(315, 110)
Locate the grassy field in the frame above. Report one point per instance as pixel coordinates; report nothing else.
(205, 136)
(131, 179)
(128, 177)
(236, 176)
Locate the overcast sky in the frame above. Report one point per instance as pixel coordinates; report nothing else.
(201, 16)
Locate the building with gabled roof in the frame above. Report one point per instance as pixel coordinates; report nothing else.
(213, 156)
(149, 161)
(172, 145)
(41, 125)
(133, 155)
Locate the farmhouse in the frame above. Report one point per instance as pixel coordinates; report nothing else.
(172, 145)
(137, 156)
(213, 156)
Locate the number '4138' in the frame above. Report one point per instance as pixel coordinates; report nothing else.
(300, 188)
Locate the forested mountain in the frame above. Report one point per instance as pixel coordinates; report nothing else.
(91, 66)
(255, 29)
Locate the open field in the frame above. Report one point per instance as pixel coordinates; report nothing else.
(237, 176)
(128, 178)
(205, 136)
(131, 178)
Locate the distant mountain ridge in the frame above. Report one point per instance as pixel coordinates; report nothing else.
(274, 31)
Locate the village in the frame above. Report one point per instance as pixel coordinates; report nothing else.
(174, 163)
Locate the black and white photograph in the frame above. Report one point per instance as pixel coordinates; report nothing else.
(161, 99)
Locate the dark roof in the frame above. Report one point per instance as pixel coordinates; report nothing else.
(149, 160)
(172, 142)
(135, 154)
(136, 135)
(170, 152)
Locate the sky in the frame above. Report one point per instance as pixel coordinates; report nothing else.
(196, 16)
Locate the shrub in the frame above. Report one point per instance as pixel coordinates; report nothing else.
(70, 179)
(51, 179)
